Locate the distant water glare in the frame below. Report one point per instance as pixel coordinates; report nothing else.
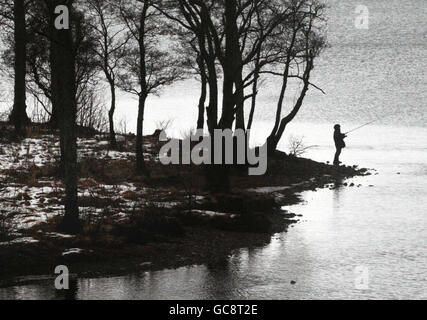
(366, 74)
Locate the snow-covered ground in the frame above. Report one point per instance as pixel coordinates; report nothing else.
(24, 206)
(27, 203)
(39, 152)
(29, 152)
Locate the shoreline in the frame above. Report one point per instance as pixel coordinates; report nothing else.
(207, 231)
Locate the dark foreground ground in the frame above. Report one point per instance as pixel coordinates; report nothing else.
(133, 223)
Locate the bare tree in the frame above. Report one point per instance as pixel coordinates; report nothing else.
(303, 44)
(39, 56)
(112, 38)
(196, 65)
(192, 24)
(227, 36)
(91, 111)
(146, 67)
(15, 11)
(64, 91)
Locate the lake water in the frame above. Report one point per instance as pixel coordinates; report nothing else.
(366, 74)
(378, 228)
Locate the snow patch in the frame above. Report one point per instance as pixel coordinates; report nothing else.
(19, 241)
(72, 251)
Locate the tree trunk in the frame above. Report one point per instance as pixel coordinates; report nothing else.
(113, 142)
(230, 64)
(273, 139)
(281, 99)
(18, 115)
(54, 118)
(240, 104)
(212, 110)
(63, 77)
(254, 90)
(208, 54)
(140, 163)
(218, 175)
(203, 94)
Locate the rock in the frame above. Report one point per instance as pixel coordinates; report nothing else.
(293, 282)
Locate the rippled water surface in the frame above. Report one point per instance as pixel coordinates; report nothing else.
(365, 74)
(379, 227)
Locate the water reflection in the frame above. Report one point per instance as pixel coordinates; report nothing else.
(336, 196)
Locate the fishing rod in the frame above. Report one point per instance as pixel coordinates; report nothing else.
(366, 124)
(362, 126)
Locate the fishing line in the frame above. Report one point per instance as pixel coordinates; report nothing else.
(370, 122)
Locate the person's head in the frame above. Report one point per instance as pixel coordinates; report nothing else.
(337, 127)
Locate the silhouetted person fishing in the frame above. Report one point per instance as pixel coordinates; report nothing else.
(339, 138)
(339, 143)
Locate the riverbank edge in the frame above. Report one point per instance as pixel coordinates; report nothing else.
(201, 245)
